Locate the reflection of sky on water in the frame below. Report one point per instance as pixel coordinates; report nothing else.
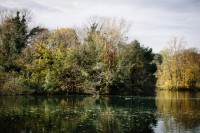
(160, 126)
(173, 127)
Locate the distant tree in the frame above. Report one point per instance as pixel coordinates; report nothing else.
(180, 66)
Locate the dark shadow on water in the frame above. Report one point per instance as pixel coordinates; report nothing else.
(77, 114)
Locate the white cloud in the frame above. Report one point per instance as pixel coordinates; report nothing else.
(154, 22)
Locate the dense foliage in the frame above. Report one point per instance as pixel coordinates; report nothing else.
(101, 61)
(96, 59)
(180, 68)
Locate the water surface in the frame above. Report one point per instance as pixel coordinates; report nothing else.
(168, 112)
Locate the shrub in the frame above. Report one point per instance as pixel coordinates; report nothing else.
(13, 86)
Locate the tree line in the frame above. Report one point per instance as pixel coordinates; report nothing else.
(95, 59)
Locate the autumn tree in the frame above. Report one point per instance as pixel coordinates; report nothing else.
(100, 61)
(180, 67)
(14, 37)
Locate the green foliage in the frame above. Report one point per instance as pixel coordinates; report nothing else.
(14, 35)
(13, 85)
(14, 38)
(58, 61)
(52, 68)
(136, 71)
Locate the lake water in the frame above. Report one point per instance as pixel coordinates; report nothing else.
(169, 112)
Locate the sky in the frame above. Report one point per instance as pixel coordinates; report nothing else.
(154, 22)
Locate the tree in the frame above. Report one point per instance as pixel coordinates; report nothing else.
(180, 66)
(63, 61)
(99, 52)
(136, 70)
(14, 38)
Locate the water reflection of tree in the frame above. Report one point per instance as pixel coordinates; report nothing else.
(77, 114)
(179, 109)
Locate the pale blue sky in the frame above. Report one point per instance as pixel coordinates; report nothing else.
(154, 22)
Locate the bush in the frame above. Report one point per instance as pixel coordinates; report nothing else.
(13, 86)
